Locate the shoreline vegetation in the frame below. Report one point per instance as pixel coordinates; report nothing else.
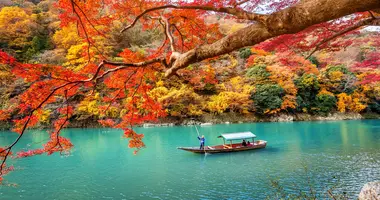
(223, 118)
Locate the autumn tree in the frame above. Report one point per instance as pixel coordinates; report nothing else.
(308, 88)
(233, 96)
(338, 79)
(15, 27)
(188, 39)
(267, 98)
(325, 102)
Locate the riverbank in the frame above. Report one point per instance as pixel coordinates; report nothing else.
(233, 118)
(224, 118)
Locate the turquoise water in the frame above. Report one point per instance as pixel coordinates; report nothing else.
(341, 154)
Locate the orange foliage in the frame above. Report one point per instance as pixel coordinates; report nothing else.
(284, 77)
(353, 102)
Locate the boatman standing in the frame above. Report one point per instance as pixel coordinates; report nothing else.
(202, 141)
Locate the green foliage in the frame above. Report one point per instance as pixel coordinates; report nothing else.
(374, 106)
(340, 68)
(209, 88)
(244, 53)
(267, 97)
(314, 60)
(308, 87)
(325, 103)
(258, 73)
(38, 44)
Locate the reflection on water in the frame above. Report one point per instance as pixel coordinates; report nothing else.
(344, 154)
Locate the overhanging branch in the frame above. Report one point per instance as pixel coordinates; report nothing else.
(240, 14)
(287, 21)
(365, 22)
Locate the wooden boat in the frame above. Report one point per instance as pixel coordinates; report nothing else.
(231, 147)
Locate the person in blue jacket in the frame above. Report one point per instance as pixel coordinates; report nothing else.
(202, 141)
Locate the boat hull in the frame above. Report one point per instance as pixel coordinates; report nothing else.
(226, 148)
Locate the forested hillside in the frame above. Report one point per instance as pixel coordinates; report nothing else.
(263, 80)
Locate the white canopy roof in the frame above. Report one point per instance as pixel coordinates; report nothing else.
(238, 136)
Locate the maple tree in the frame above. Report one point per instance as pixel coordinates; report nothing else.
(118, 88)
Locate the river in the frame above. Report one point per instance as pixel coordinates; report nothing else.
(343, 155)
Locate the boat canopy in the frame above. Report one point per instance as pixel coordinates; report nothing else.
(238, 136)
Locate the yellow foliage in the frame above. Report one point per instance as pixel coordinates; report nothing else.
(236, 84)
(75, 58)
(15, 26)
(90, 105)
(358, 102)
(234, 96)
(112, 112)
(160, 83)
(233, 60)
(336, 76)
(351, 102)
(183, 101)
(44, 115)
(365, 88)
(308, 81)
(158, 92)
(77, 48)
(357, 106)
(123, 112)
(235, 101)
(324, 91)
(217, 103)
(194, 110)
(67, 37)
(343, 98)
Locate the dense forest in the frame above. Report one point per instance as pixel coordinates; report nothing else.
(266, 79)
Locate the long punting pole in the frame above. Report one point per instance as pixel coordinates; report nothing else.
(197, 130)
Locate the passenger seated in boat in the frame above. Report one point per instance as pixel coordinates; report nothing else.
(248, 143)
(244, 144)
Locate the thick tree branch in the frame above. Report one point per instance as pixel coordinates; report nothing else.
(288, 21)
(241, 14)
(169, 34)
(123, 65)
